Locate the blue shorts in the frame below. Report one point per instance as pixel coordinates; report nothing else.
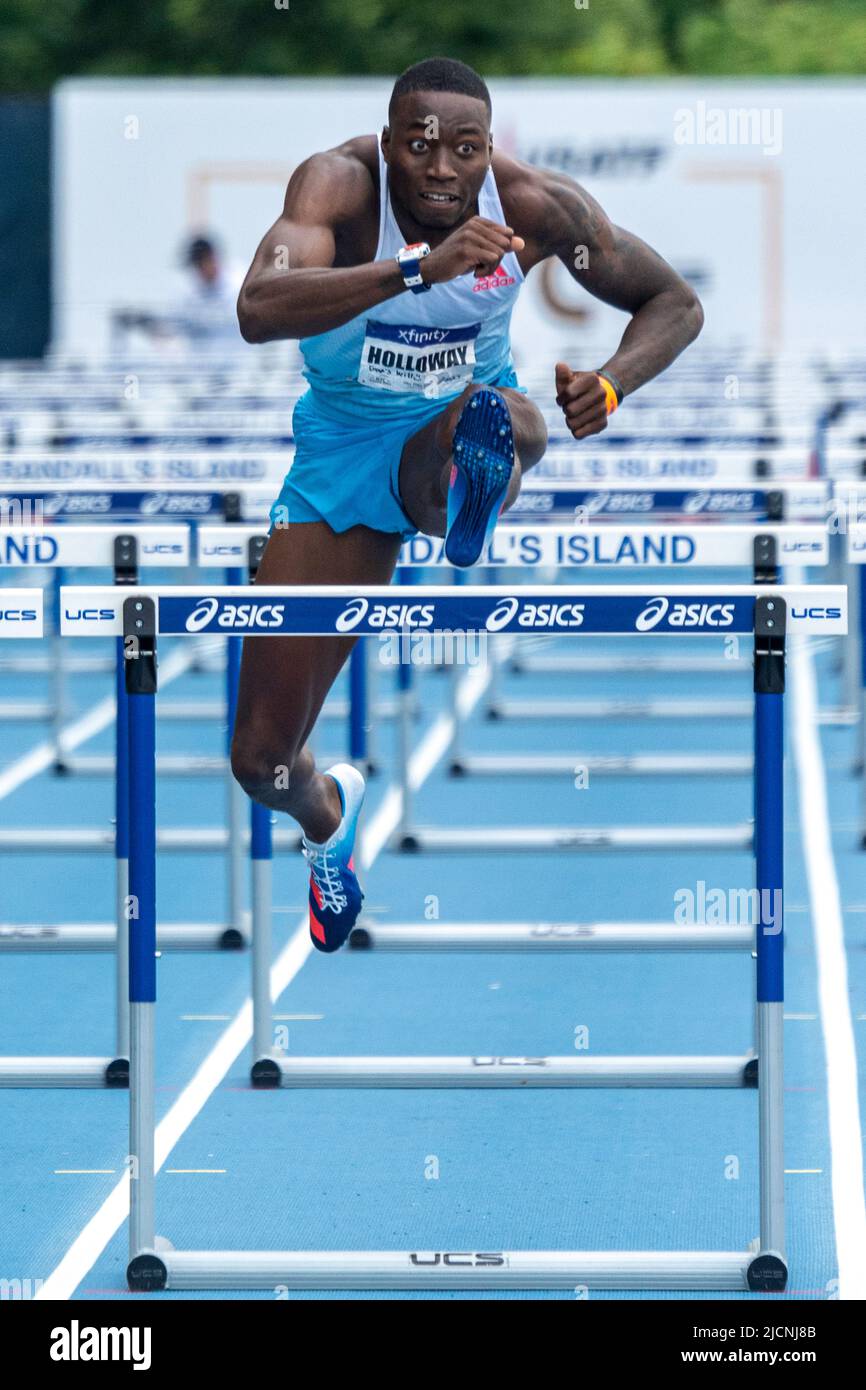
(346, 467)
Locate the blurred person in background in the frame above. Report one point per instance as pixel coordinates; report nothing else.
(205, 316)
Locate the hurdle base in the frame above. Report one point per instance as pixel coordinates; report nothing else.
(265, 1074)
(146, 1273)
(536, 839)
(602, 765)
(768, 1273)
(457, 1073)
(577, 710)
(24, 937)
(546, 937)
(111, 1073)
(444, 1271)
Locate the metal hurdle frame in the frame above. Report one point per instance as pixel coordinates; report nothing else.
(153, 1264)
(761, 547)
(49, 1071)
(849, 552)
(654, 500)
(857, 558)
(721, 545)
(125, 550)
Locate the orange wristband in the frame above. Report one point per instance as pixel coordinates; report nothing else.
(611, 398)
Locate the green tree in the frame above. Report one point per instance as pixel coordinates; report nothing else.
(40, 43)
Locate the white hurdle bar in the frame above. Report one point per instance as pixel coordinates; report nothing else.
(547, 937)
(769, 617)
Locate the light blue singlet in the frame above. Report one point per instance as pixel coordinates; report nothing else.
(380, 377)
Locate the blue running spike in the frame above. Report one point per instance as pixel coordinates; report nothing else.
(483, 454)
(335, 894)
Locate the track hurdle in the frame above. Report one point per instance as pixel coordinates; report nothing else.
(762, 547)
(743, 610)
(653, 500)
(125, 550)
(21, 616)
(717, 544)
(687, 543)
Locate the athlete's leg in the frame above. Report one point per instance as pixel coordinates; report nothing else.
(425, 465)
(284, 680)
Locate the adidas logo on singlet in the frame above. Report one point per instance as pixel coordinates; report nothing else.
(497, 281)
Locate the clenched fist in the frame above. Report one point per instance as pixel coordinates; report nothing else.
(583, 401)
(478, 245)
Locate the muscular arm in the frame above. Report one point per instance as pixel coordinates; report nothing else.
(620, 269)
(293, 288)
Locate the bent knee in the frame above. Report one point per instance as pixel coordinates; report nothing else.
(264, 767)
(530, 430)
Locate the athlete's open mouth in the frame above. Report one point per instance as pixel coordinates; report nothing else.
(441, 198)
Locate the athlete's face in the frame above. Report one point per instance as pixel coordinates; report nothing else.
(438, 150)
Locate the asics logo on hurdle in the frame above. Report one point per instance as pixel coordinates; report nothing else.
(384, 615)
(233, 615)
(684, 614)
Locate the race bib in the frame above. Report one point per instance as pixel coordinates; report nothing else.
(424, 361)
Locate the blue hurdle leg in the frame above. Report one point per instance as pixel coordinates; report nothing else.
(404, 836)
(768, 1270)
(141, 912)
(58, 673)
(358, 702)
(121, 853)
(236, 800)
(861, 637)
(261, 849)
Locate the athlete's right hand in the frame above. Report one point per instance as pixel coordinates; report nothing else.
(478, 245)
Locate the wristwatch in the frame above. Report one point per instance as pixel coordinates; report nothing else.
(409, 260)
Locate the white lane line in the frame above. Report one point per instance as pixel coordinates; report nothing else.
(42, 756)
(103, 1225)
(849, 1201)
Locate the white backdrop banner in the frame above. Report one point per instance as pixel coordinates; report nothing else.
(746, 187)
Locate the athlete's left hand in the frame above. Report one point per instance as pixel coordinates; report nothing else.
(581, 397)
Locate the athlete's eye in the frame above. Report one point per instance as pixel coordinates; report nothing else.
(466, 148)
(418, 146)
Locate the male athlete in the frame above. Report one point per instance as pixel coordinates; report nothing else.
(404, 259)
